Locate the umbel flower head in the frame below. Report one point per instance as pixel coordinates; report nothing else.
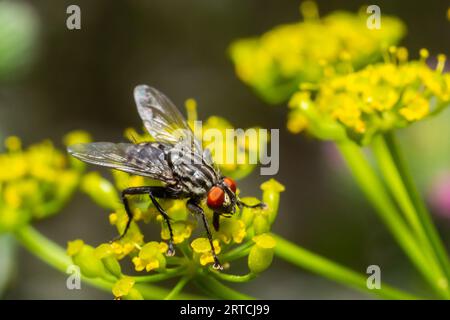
(376, 99)
(35, 182)
(275, 63)
(237, 237)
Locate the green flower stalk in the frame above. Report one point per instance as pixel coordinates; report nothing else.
(303, 53)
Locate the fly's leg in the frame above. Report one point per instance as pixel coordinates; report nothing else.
(158, 192)
(216, 221)
(171, 250)
(129, 191)
(261, 205)
(195, 208)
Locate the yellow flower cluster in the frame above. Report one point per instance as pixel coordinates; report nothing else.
(35, 182)
(378, 98)
(275, 63)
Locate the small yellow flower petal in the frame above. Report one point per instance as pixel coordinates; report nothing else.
(122, 287)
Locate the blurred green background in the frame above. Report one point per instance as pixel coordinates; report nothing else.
(83, 79)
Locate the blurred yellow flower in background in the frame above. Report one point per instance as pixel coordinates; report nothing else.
(275, 63)
(35, 182)
(378, 98)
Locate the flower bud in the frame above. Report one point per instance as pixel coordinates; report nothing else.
(106, 253)
(261, 254)
(261, 224)
(271, 197)
(84, 257)
(100, 190)
(134, 294)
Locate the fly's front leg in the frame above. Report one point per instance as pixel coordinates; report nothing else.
(261, 205)
(195, 208)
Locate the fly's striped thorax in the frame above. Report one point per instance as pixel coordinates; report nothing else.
(194, 174)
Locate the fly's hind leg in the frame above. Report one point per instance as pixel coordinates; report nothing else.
(125, 193)
(195, 208)
(153, 192)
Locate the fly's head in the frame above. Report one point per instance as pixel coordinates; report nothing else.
(222, 196)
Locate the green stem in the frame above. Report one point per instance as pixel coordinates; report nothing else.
(398, 189)
(55, 256)
(233, 277)
(178, 287)
(168, 274)
(419, 204)
(213, 286)
(378, 197)
(237, 252)
(395, 184)
(314, 263)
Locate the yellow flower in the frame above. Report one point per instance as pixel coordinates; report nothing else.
(275, 63)
(77, 136)
(126, 245)
(123, 287)
(151, 257)
(182, 230)
(74, 247)
(202, 248)
(13, 143)
(378, 98)
(261, 254)
(231, 229)
(265, 241)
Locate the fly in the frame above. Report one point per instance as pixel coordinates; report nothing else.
(176, 158)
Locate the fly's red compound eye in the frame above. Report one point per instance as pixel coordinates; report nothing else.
(230, 183)
(216, 197)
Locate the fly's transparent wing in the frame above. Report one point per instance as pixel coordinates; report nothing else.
(145, 159)
(163, 120)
